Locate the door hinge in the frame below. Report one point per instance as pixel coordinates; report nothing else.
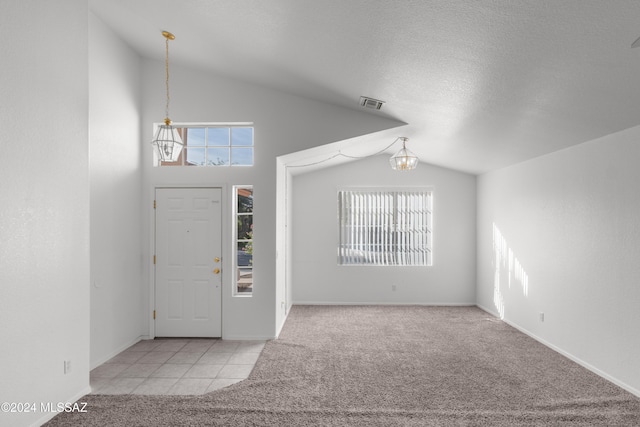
(154, 260)
(154, 315)
(154, 204)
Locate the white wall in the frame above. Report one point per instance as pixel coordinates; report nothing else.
(283, 124)
(570, 222)
(116, 194)
(283, 245)
(44, 205)
(318, 279)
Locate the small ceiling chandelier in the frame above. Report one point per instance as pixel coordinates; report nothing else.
(167, 142)
(403, 160)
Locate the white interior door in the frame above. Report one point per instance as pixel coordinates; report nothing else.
(188, 291)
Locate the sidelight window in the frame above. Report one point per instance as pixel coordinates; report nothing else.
(243, 239)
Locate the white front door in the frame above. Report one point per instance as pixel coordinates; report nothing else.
(188, 291)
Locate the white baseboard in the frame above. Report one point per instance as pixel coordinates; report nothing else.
(49, 416)
(94, 364)
(426, 304)
(279, 328)
(568, 355)
(248, 338)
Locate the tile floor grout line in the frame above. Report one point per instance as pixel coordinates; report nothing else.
(112, 376)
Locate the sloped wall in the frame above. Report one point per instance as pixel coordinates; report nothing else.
(560, 235)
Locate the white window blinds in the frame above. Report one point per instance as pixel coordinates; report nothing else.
(385, 227)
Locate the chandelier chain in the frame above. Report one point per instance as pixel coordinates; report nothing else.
(166, 67)
(341, 154)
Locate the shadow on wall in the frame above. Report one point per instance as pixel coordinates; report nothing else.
(506, 268)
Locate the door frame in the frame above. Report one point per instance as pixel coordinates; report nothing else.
(224, 236)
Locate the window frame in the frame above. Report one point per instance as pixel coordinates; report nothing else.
(381, 259)
(182, 161)
(236, 241)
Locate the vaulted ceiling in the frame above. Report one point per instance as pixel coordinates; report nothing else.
(481, 84)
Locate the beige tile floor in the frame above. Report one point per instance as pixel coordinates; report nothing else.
(176, 366)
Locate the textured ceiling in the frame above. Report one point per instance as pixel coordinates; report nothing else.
(481, 84)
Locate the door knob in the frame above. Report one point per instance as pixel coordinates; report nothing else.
(216, 271)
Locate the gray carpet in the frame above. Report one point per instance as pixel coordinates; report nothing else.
(389, 366)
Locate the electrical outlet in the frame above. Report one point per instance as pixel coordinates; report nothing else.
(541, 317)
(67, 366)
(393, 288)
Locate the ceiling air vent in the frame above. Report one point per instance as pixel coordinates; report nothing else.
(366, 102)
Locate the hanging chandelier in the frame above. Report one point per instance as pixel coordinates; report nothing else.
(167, 142)
(403, 160)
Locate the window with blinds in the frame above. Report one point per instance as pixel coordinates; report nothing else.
(385, 227)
